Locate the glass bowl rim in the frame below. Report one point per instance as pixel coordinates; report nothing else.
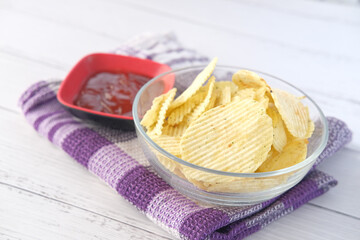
(295, 167)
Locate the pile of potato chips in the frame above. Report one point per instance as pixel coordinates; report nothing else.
(239, 126)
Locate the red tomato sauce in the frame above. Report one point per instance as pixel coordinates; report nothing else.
(110, 92)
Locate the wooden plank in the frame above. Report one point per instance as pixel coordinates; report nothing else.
(11, 235)
(344, 167)
(45, 41)
(341, 108)
(318, 10)
(343, 2)
(18, 73)
(297, 31)
(30, 216)
(309, 222)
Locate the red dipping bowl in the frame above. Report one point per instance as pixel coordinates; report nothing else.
(96, 63)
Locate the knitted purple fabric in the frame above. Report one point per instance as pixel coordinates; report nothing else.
(116, 158)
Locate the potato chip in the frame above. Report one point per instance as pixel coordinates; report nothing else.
(178, 114)
(301, 97)
(260, 93)
(248, 79)
(245, 93)
(293, 153)
(178, 171)
(171, 145)
(225, 96)
(222, 140)
(311, 129)
(247, 184)
(166, 162)
(268, 95)
(195, 85)
(222, 84)
(202, 106)
(203, 179)
(264, 101)
(217, 95)
(294, 114)
(202, 90)
(280, 138)
(214, 97)
(197, 183)
(261, 96)
(168, 143)
(151, 115)
(175, 131)
(168, 98)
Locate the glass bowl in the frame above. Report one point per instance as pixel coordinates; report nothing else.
(230, 189)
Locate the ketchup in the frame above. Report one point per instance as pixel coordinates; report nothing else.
(110, 92)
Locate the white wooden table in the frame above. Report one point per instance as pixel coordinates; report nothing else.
(44, 194)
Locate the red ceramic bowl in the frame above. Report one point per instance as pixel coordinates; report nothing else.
(102, 62)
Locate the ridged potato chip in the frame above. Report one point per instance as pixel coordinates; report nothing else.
(268, 95)
(294, 114)
(264, 101)
(280, 138)
(169, 143)
(293, 153)
(178, 114)
(166, 162)
(152, 114)
(261, 96)
(247, 184)
(311, 129)
(195, 85)
(248, 79)
(260, 93)
(222, 84)
(175, 131)
(244, 93)
(202, 106)
(225, 96)
(168, 98)
(204, 180)
(271, 152)
(214, 97)
(222, 140)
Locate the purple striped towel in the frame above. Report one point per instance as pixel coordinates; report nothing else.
(116, 158)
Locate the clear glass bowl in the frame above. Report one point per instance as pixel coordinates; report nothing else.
(231, 189)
